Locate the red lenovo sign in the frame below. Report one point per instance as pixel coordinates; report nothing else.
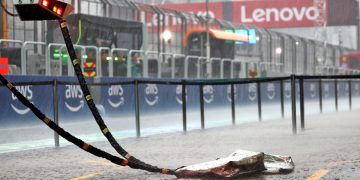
(278, 13)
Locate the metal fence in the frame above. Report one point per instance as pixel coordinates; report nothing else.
(293, 88)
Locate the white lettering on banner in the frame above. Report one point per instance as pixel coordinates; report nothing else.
(326, 90)
(275, 15)
(179, 94)
(116, 91)
(347, 88)
(312, 90)
(271, 91)
(208, 94)
(74, 92)
(356, 89)
(252, 90)
(151, 94)
(27, 93)
(287, 90)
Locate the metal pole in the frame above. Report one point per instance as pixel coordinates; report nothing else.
(282, 98)
(137, 108)
(183, 95)
(207, 31)
(336, 95)
(259, 100)
(293, 102)
(202, 106)
(320, 96)
(233, 103)
(56, 111)
(302, 102)
(350, 95)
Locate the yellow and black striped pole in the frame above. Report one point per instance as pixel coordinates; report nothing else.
(90, 102)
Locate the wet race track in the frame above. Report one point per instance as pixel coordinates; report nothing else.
(328, 149)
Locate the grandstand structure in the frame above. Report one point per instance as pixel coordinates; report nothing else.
(141, 50)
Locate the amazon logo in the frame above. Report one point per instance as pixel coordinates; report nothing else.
(252, 91)
(179, 94)
(208, 94)
(287, 90)
(27, 93)
(356, 89)
(74, 92)
(271, 93)
(151, 94)
(326, 90)
(229, 93)
(312, 90)
(116, 96)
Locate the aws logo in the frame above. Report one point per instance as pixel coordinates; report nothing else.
(252, 91)
(356, 89)
(287, 90)
(229, 93)
(117, 92)
(208, 94)
(179, 94)
(347, 88)
(74, 92)
(27, 93)
(312, 90)
(326, 90)
(271, 91)
(151, 94)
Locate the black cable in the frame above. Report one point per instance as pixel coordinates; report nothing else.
(5, 9)
(90, 102)
(69, 137)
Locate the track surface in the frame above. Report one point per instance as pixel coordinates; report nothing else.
(328, 148)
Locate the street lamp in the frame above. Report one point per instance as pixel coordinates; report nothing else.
(167, 36)
(278, 50)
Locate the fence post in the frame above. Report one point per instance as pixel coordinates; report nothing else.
(259, 100)
(302, 106)
(232, 103)
(350, 95)
(320, 96)
(282, 98)
(336, 96)
(293, 102)
(183, 96)
(56, 111)
(137, 108)
(201, 88)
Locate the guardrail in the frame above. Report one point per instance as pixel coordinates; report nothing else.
(295, 86)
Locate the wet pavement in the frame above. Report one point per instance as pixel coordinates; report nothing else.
(328, 148)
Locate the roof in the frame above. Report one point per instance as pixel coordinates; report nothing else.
(217, 34)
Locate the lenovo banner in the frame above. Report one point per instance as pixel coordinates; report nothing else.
(279, 13)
